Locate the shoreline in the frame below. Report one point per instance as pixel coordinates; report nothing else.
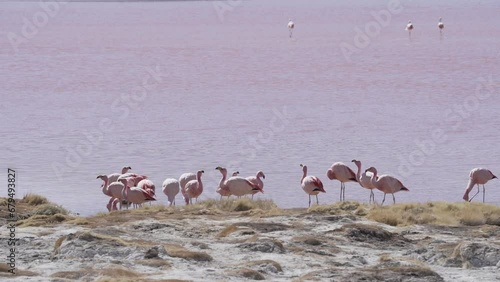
(243, 240)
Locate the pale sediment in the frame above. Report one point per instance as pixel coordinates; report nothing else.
(207, 244)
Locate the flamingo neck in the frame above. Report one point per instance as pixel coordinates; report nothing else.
(304, 175)
(105, 189)
(358, 174)
(373, 179)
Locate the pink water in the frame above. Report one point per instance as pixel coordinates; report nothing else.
(236, 91)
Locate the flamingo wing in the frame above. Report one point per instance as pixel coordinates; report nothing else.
(318, 183)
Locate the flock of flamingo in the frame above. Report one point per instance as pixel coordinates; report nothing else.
(136, 189)
(409, 27)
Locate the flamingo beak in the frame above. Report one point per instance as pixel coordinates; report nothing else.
(263, 176)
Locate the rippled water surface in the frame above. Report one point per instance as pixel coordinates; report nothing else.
(173, 87)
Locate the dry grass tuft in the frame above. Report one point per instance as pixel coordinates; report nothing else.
(338, 208)
(42, 220)
(236, 205)
(34, 200)
(178, 251)
(228, 230)
(50, 209)
(439, 213)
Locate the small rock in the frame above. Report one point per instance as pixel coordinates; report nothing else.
(264, 246)
(151, 253)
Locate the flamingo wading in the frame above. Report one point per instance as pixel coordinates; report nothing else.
(291, 26)
(364, 180)
(386, 184)
(342, 173)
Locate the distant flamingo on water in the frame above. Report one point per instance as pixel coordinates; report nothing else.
(342, 173)
(256, 180)
(194, 188)
(364, 180)
(478, 176)
(171, 188)
(441, 26)
(409, 28)
(291, 26)
(311, 185)
(386, 184)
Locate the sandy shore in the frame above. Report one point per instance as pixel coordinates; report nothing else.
(205, 243)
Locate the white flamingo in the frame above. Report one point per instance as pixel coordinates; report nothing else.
(478, 176)
(311, 185)
(171, 188)
(291, 26)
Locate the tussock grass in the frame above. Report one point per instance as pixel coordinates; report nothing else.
(439, 213)
(338, 208)
(42, 220)
(235, 205)
(34, 200)
(50, 209)
(178, 251)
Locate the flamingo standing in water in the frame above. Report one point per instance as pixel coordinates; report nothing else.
(171, 188)
(113, 204)
(409, 28)
(256, 180)
(290, 25)
(364, 180)
(135, 195)
(311, 185)
(441, 26)
(237, 186)
(342, 173)
(478, 176)
(183, 180)
(386, 184)
(194, 188)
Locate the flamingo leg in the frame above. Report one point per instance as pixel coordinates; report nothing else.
(252, 196)
(393, 199)
(383, 199)
(317, 201)
(475, 194)
(484, 192)
(309, 200)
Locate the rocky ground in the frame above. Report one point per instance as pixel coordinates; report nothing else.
(203, 243)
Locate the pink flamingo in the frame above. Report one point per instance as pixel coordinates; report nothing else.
(364, 180)
(342, 173)
(236, 185)
(256, 180)
(114, 176)
(113, 204)
(194, 188)
(386, 184)
(290, 26)
(478, 176)
(135, 195)
(113, 190)
(171, 188)
(222, 189)
(147, 185)
(183, 180)
(132, 178)
(311, 185)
